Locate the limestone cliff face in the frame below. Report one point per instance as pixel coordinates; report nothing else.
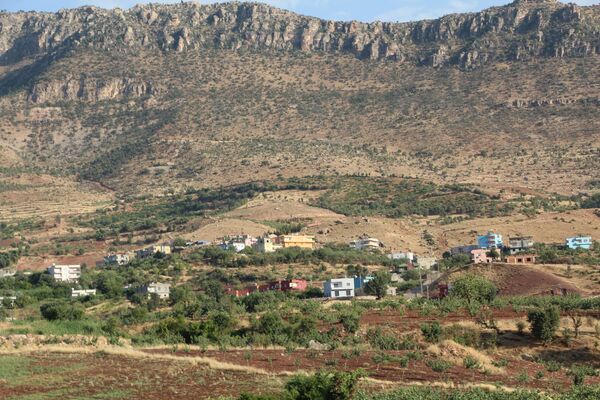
(91, 90)
(521, 30)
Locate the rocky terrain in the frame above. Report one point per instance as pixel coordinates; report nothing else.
(162, 97)
(524, 29)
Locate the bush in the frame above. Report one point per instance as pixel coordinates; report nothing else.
(438, 365)
(350, 320)
(324, 386)
(544, 323)
(62, 311)
(432, 331)
(470, 363)
(579, 372)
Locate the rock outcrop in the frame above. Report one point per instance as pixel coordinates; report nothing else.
(91, 90)
(522, 30)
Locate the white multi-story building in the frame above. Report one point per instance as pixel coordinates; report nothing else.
(65, 273)
(163, 290)
(83, 292)
(366, 243)
(339, 288)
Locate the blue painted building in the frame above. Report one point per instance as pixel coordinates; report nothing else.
(490, 241)
(360, 281)
(579, 242)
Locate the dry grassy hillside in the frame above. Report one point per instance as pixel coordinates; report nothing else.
(152, 120)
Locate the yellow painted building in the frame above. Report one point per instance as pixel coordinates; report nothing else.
(302, 241)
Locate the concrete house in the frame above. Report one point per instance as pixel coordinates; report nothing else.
(152, 250)
(490, 240)
(340, 288)
(302, 241)
(119, 259)
(517, 244)
(521, 259)
(366, 243)
(82, 293)
(479, 256)
(402, 255)
(267, 244)
(237, 243)
(65, 273)
(163, 290)
(579, 242)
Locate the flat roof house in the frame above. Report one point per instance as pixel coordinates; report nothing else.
(267, 244)
(155, 249)
(479, 256)
(118, 259)
(402, 255)
(518, 244)
(490, 240)
(82, 293)
(163, 290)
(521, 259)
(340, 288)
(579, 242)
(65, 273)
(302, 241)
(366, 243)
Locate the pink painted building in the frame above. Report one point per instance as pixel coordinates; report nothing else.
(479, 256)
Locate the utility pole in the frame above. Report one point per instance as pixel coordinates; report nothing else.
(421, 280)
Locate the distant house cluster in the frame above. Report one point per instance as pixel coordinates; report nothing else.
(267, 243)
(519, 250)
(72, 274)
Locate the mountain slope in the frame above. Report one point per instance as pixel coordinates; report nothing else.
(164, 97)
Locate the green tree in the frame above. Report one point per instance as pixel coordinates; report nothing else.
(110, 283)
(474, 289)
(100, 235)
(61, 310)
(378, 285)
(179, 242)
(544, 323)
(350, 320)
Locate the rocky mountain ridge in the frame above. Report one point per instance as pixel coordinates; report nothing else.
(524, 29)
